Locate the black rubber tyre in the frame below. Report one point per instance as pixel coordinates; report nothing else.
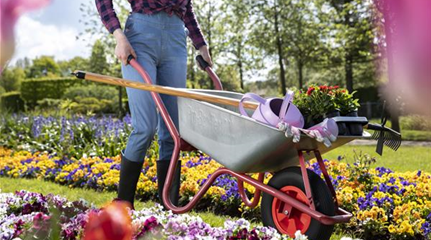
(322, 199)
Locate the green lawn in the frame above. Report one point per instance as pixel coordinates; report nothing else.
(414, 135)
(407, 158)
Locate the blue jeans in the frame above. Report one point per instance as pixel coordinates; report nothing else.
(159, 41)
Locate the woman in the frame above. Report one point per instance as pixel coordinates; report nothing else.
(155, 34)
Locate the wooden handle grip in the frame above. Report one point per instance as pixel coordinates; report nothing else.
(162, 89)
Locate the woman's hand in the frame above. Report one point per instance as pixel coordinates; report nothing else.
(203, 51)
(123, 49)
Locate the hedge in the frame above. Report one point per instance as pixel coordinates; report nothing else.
(12, 101)
(33, 90)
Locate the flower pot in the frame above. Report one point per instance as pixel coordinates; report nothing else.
(354, 129)
(342, 128)
(309, 122)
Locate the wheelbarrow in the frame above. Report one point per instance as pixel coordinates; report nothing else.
(294, 199)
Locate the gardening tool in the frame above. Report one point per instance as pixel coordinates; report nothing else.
(385, 135)
(202, 96)
(382, 134)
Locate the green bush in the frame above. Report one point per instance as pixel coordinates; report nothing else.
(93, 90)
(91, 99)
(12, 101)
(34, 90)
(49, 104)
(2, 91)
(415, 122)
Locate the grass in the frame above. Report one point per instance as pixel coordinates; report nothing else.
(415, 135)
(407, 158)
(407, 132)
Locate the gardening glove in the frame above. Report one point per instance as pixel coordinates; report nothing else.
(290, 131)
(316, 134)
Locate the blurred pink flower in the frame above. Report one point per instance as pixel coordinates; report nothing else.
(408, 49)
(10, 11)
(111, 223)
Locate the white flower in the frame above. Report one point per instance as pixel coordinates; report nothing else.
(299, 236)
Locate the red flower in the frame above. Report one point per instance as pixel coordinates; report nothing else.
(112, 223)
(323, 88)
(310, 90)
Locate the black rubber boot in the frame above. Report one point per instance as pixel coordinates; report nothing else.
(129, 176)
(162, 171)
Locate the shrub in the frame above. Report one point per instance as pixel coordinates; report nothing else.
(91, 99)
(12, 101)
(34, 90)
(415, 122)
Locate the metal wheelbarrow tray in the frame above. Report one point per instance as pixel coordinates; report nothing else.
(241, 143)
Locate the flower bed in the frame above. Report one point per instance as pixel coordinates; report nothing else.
(25, 214)
(74, 136)
(387, 204)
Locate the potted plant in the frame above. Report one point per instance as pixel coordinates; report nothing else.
(315, 104)
(319, 102)
(348, 106)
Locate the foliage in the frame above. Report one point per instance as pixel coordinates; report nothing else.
(34, 90)
(415, 122)
(345, 101)
(320, 100)
(93, 98)
(11, 101)
(97, 62)
(2, 91)
(11, 78)
(44, 66)
(76, 63)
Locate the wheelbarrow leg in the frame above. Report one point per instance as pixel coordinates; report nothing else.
(257, 192)
(326, 176)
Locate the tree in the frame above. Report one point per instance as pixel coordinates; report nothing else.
(268, 33)
(238, 50)
(353, 28)
(11, 79)
(98, 63)
(303, 34)
(76, 63)
(44, 66)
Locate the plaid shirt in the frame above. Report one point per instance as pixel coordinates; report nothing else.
(182, 8)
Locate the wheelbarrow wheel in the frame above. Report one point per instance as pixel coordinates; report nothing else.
(288, 220)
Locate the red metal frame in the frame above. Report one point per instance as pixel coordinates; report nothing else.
(342, 215)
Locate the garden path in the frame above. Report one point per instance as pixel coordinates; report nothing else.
(363, 142)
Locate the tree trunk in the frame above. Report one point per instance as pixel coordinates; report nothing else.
(280, 52)
(348, 58)
(395, 121)
(349, 72)
(241, 72)
(300, 76)
(209, 35)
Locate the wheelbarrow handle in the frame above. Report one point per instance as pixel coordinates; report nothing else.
(178, 92)
(202, 63)
(207, 68)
